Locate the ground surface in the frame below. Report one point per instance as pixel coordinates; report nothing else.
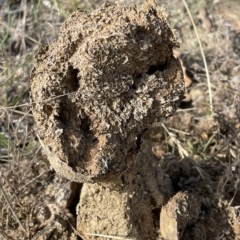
(198, 151)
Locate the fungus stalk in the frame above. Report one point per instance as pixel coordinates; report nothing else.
(115, 74)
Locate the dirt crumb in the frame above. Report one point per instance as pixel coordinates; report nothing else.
(181, 211)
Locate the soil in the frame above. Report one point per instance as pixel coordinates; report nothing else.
(191, 190)
(93, 126)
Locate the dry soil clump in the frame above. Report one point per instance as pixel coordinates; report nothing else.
(108, 76)
(95, 91)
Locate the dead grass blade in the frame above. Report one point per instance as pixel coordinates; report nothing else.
(203, 57)
(225, 145)
(109, 236)
(183, 152)
(11, 207)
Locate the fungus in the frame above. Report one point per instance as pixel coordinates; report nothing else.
(98, 88)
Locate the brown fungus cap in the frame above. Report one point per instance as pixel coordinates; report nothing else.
(108, 76)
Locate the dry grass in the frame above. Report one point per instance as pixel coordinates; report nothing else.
(203, 57)
(24, 26)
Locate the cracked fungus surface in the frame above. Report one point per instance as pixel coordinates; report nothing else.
(115, 70)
